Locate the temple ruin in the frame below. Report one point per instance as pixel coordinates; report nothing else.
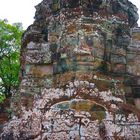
(80, 73)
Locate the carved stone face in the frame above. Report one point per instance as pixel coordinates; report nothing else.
(78, 68)
(75, 45)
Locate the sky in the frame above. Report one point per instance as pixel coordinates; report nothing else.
(23, 10)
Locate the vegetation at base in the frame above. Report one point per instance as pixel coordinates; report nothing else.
(2, 97)
(10, 40)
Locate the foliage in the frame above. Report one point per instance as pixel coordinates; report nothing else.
(10, 40)
(2, 97)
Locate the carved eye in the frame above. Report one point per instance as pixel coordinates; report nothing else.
(55, 6)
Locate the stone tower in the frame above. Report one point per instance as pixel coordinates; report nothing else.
(77, 70)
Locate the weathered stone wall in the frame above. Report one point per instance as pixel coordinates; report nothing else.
(133, 67)
(73, 40)
(78, 67)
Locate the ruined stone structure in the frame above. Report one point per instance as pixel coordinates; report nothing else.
(80, 73)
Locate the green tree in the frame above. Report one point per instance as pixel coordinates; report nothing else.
(10, 40)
